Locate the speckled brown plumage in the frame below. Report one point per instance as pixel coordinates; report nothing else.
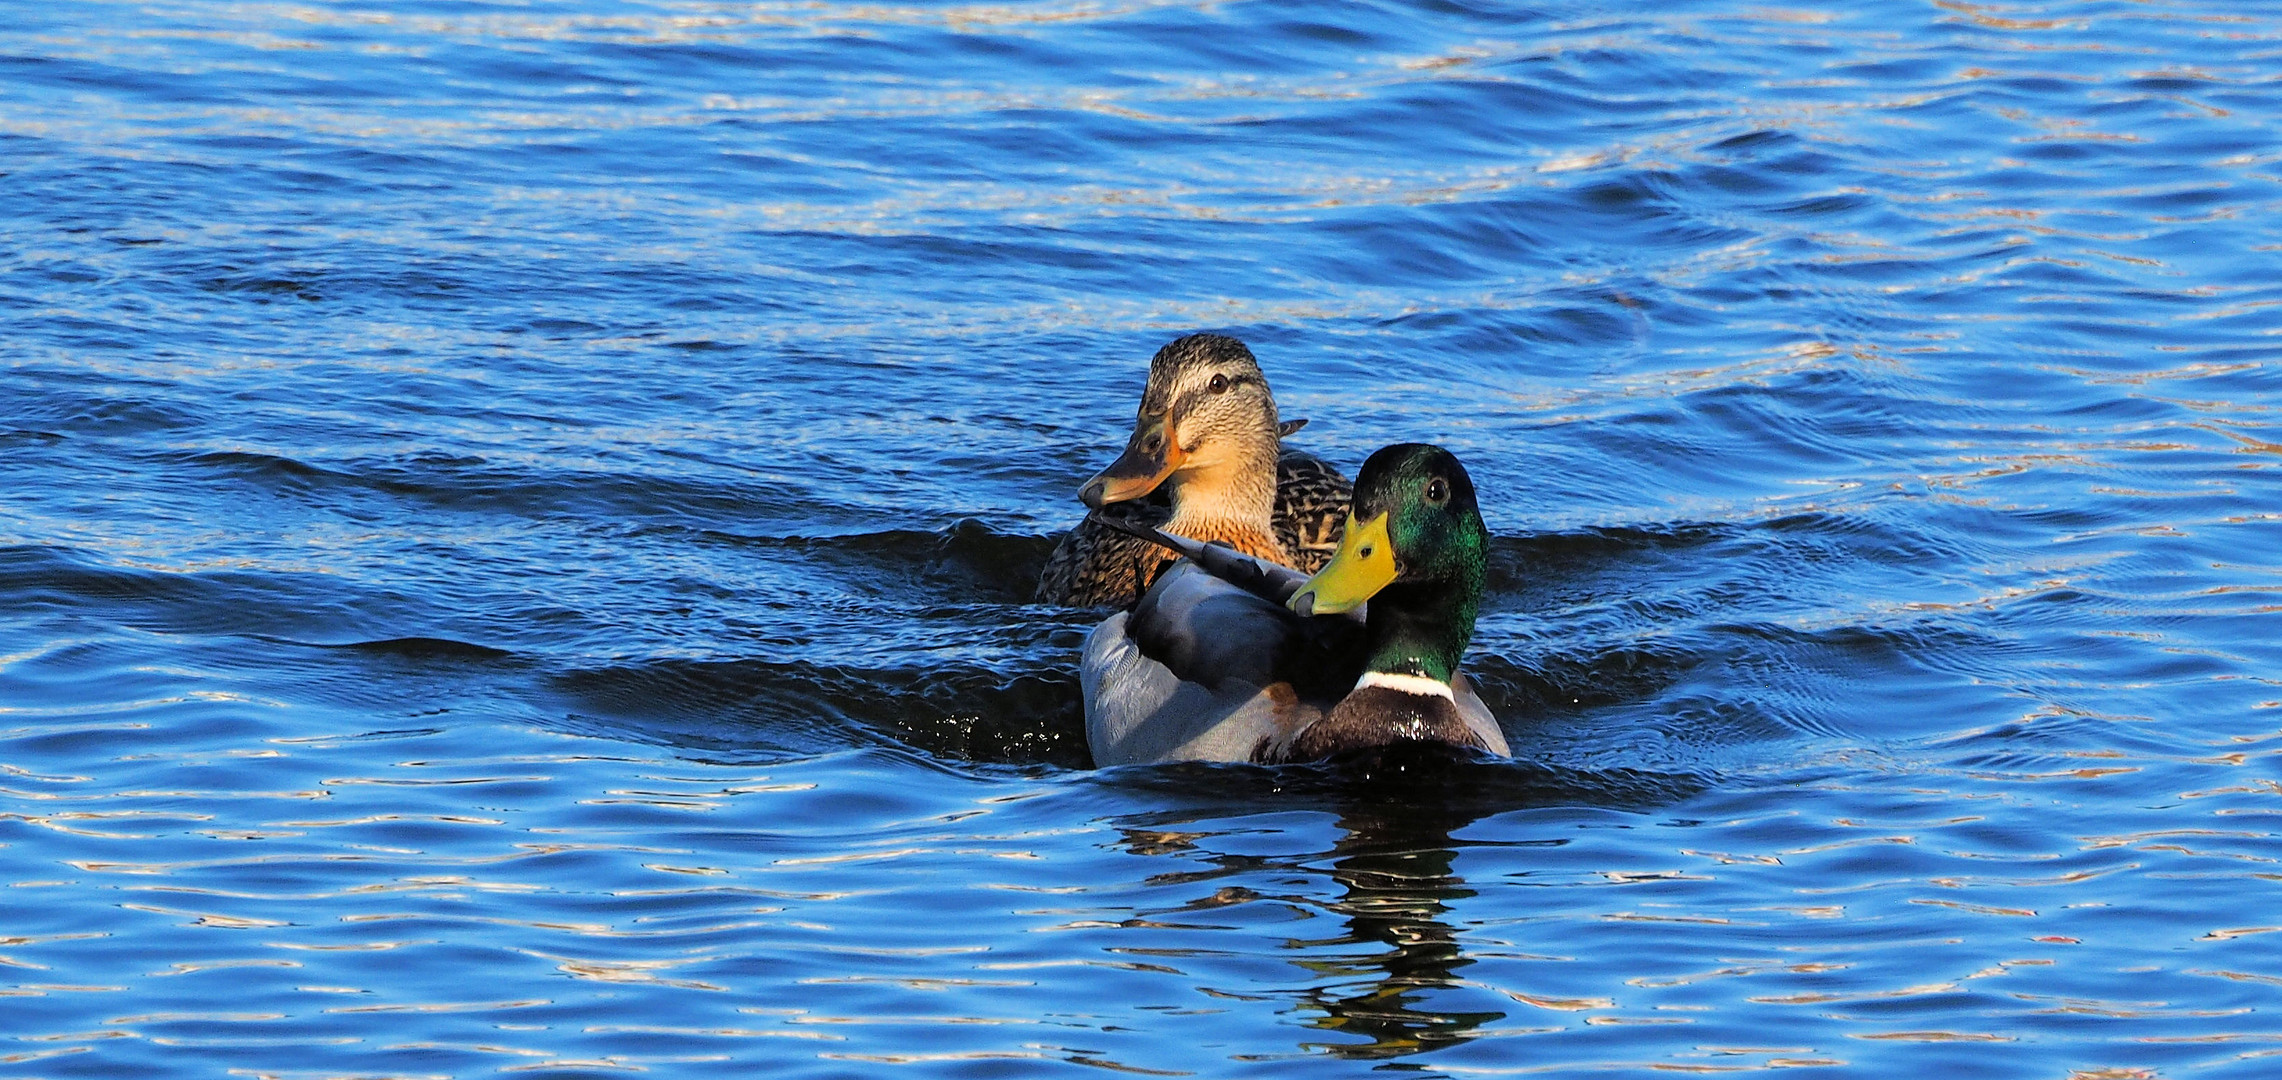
(1311, 508)
(1096, 566)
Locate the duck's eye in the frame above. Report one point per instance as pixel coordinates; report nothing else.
(1218, 385)
(1437, 492)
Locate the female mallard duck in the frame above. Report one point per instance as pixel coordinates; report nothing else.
(1207, 668)
(1207, 436)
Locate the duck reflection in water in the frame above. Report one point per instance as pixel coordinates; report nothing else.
(1394, 860)
(1381, 980)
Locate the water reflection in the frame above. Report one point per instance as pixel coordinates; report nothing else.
(1395, 863)
(1388, 981)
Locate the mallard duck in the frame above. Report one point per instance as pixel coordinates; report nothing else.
(1205, 461)
(1209, 667)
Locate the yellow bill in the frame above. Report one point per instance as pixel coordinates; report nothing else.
(1364, 564)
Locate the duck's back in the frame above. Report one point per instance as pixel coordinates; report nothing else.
(1191, 674)
(1311, 508)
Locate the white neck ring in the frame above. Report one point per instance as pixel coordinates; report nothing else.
(1407, 684)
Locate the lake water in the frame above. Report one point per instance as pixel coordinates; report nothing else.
(517, 522)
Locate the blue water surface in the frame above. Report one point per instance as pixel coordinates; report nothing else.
(517, 524)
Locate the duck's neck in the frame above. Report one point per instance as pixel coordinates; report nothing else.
(1420, 630)
(1231, 499)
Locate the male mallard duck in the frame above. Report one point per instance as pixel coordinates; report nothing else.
(1207, 436)
(1203, 669)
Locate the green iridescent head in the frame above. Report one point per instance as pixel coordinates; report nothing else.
(1415, 548)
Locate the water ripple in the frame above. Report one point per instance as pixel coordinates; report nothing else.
(553, 495)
